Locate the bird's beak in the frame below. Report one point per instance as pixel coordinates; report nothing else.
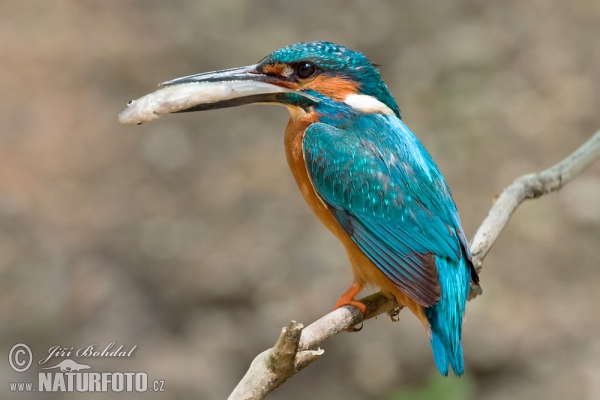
(251, 86)
(248, 73)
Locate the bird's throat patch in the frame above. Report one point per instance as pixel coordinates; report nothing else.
(367, 104)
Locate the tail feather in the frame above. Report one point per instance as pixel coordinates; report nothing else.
(446, 317)
(439, 354)
(457, 361)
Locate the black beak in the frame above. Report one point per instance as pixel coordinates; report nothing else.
(260, 94)
(248, 73)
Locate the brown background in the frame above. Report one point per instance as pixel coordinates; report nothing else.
(188, 238)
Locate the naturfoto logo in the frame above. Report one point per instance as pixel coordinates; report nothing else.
(68, 375)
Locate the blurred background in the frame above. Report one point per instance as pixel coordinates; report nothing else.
(188, 237)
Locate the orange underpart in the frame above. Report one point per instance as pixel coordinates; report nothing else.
(333, 86)
(347, 299)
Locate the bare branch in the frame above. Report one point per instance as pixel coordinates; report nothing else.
(530, 186)
(297, 347)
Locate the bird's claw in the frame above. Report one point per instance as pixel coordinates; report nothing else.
(355, 329)
(394, 314)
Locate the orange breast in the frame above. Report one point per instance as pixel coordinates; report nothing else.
(365, 272)
(295, 158)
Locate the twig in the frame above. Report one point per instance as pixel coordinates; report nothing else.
(297, 347)
(531, 186)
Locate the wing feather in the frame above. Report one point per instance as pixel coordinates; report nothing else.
(384, 189)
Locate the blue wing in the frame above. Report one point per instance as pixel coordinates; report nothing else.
(384, 189)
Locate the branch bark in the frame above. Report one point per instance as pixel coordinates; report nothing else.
(297, 346)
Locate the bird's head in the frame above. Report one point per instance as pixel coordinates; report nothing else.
(310, 75)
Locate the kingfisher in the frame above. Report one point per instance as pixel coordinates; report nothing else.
(368, 179)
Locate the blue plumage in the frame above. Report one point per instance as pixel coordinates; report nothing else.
(389, 196)
(446, 317)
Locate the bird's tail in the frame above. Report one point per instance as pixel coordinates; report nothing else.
(446, 317)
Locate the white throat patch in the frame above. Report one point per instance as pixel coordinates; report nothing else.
(367, 104)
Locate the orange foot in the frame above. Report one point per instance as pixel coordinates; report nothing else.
(347, 299)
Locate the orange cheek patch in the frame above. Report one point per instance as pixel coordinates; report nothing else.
(332, 86)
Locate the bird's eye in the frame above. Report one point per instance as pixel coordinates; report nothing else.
(305, 70)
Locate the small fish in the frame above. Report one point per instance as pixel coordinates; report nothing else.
(195, 96)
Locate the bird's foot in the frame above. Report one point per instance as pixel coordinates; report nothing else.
(350, 302)
(347, 299)
(394, 314)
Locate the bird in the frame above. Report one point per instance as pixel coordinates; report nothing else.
(368, 179)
